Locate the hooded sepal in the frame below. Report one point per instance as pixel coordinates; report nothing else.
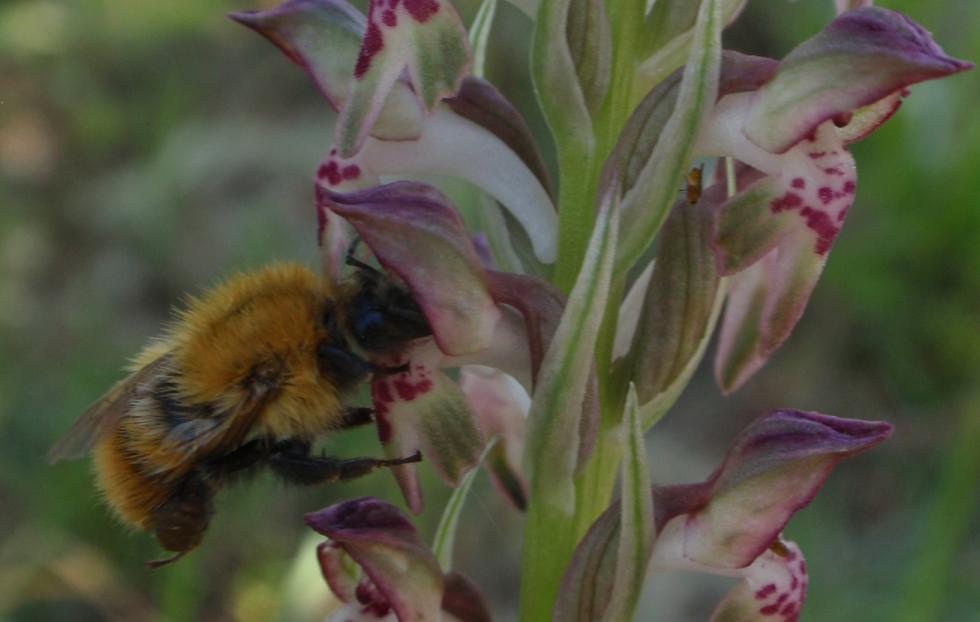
(773, 469)
(401, 573)
(863, 56)
(730, 524)
(424, 37)
(415, 233)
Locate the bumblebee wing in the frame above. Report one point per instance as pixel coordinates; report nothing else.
(105, 413)
(201, 436)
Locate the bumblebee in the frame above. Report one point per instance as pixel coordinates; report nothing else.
(247, 376)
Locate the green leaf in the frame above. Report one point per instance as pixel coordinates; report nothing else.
(445, 538)
(554, 436)
(636, 527)
(556, 409)
(590, 44)
(557, 86)
(480, 35)
(646, 204)
(668, 31)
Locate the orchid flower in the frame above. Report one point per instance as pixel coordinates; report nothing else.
(377, 567)
(567, 369)
(434, 120)
(731, 523)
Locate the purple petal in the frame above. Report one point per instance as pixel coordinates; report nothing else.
(463, 600)
(773, 469)
(386, 546)
(539, 303)
(335, 567)
(863, 56)
(414, 232)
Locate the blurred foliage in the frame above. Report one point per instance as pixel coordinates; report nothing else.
(148, 148)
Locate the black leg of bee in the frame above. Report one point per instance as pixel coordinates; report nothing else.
(242, 461)
(350, 366)
(308, 470)
(357, 416)
(181, 521)
(352, 260)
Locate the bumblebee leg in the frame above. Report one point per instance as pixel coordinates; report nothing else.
(240, 462)
(352, 260)
(181, 521)
(308, 470)
(349, 366)
(357, 416)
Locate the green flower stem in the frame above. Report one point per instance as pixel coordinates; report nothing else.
(550, 535)
(577, 189)
(580, 175)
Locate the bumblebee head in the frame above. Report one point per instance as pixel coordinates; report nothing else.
(380, 314)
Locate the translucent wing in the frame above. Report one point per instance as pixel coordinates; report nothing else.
(206, 434)
(105, 413)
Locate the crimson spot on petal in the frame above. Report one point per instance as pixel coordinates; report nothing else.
(421, 10)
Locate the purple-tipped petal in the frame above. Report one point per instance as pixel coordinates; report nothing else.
(730, 523)
(539, 303)
(772, 470)
(386, 546)
(862, 57)
(415, 233)
(338, 570)
(463, 601)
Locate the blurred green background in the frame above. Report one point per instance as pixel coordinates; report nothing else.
(149, 148)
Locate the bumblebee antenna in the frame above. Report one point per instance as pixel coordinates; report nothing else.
(352, 260)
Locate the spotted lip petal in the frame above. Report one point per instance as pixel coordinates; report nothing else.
(386, 546)
(424, 410)
(862, 57)
(323, 38)
(730, 523)
(414, 232)
(424, 38)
